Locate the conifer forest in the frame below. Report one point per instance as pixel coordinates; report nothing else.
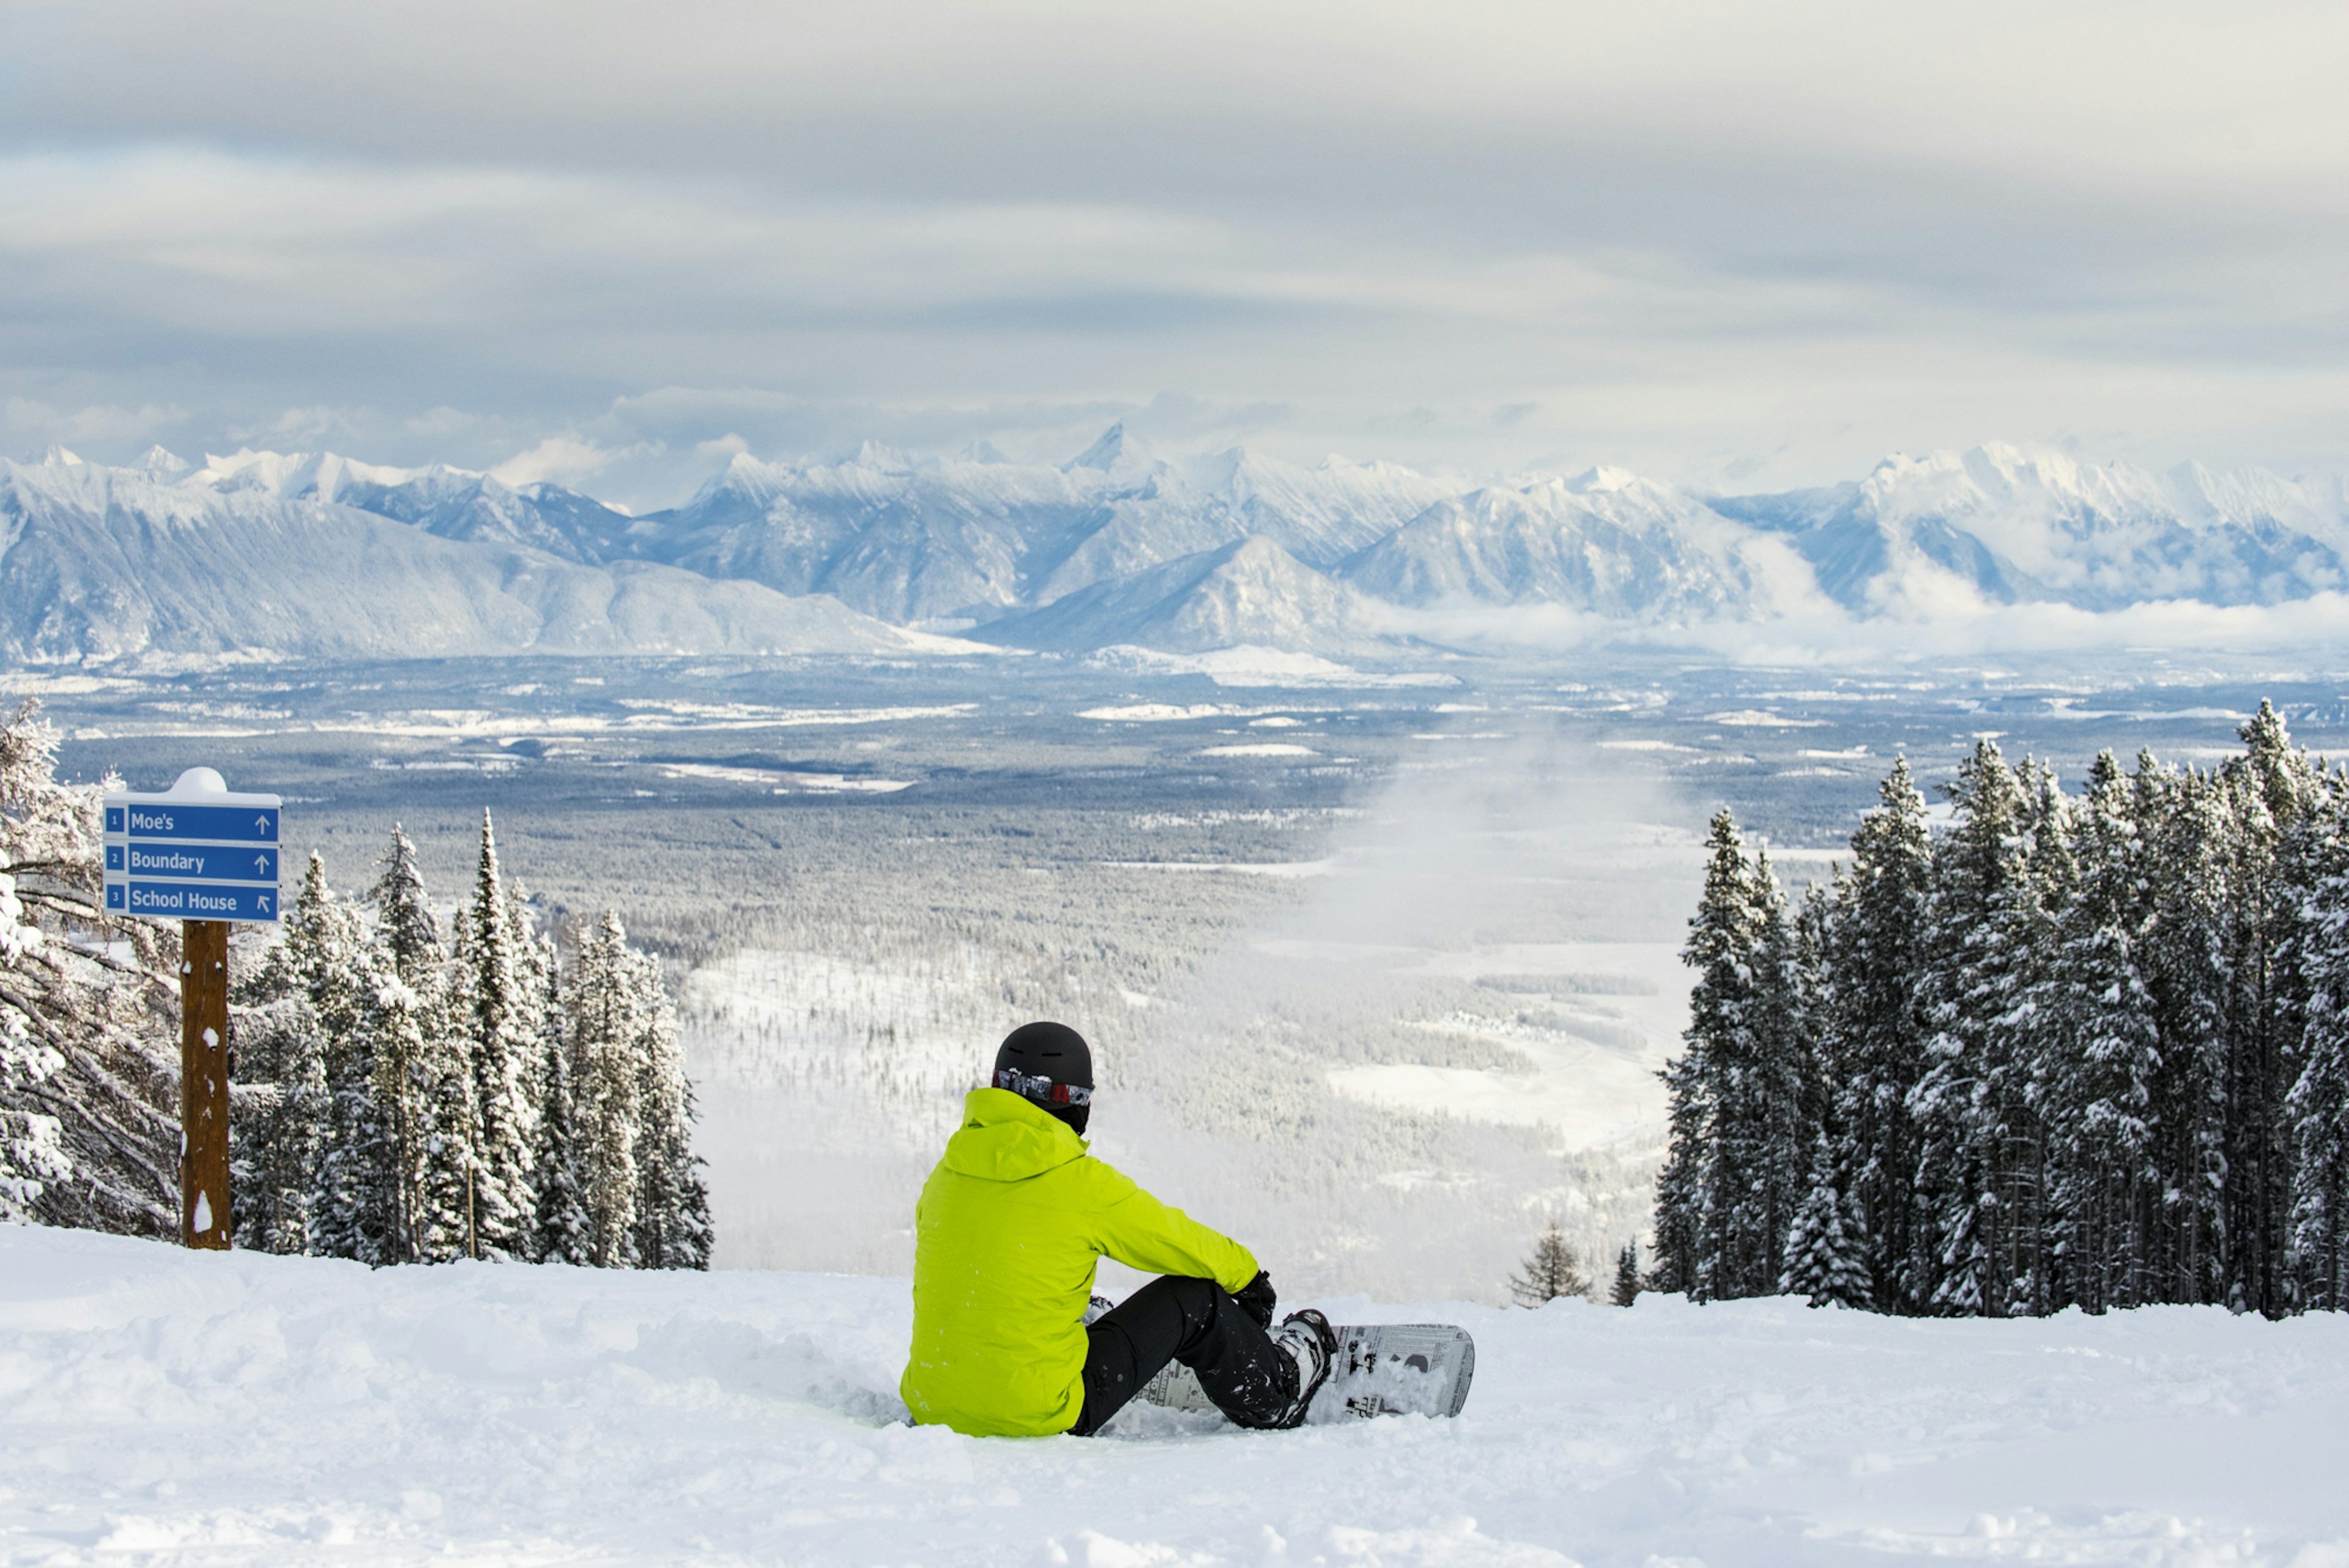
(400, 1094)
(2063, 1050)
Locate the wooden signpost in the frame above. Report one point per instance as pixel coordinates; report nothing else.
(204, 1084)
(209, 858)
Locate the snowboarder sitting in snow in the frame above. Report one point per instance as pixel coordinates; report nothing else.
(1006, 1236)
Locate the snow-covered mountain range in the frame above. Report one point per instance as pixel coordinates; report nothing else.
(101, 563)
(1993, 525)
(318, 554)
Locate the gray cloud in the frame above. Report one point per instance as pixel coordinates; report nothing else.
(93, 424)
(1675, 235)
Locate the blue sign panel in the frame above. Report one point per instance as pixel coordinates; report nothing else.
(199, 862)
(194, 900)
(197, 823)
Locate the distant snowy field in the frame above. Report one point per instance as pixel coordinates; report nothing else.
(160, 1406)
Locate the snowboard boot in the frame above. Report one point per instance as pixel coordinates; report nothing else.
(1307, 1338)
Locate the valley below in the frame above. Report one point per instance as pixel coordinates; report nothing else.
(1380, 962)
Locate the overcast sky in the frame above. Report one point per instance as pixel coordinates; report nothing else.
(1749, 246)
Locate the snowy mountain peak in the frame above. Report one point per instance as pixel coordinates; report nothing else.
(1117, 453)
(745, 480)
(2007, 485)
(59, 457)
(874, 454)
(1895, 466)
(1248, 591)
(2208, 496)
(321, 476)
(158, 462)
(2000, 471)
(1603, 480)
(249, 470)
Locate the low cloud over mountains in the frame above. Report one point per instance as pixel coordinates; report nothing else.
(319, 556)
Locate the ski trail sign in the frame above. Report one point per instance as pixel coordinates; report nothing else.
(207, 857)
(194, 852)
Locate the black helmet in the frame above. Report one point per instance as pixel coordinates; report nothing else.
(1049, 1065)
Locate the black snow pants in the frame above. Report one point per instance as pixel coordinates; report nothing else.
(1176, 1318)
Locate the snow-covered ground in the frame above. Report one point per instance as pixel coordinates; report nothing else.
(1616, 1011)
(164, 1407)
(1472, 978)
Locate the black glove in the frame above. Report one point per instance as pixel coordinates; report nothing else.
(1257, 1300)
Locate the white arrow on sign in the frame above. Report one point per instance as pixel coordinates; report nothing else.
(260, 864)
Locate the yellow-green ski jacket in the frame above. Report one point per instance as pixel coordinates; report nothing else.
(1006, 1236)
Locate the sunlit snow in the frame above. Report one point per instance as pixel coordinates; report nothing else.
(166, 1407)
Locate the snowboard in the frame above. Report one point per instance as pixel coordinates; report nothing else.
(1380, 1369)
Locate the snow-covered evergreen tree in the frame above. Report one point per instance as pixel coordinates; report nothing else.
(2027, 1265)
(1802, 1105)
(1769, 1097)
(278, 1114)
(558, 1212)
(672, 1219)
(1873, 1034)
(32, 1143)
(1680, 1198)
(405, 925)
(1976, 942)
(1685, 1237)
(2096, 1046)
(1827, 1257)
(2317, 1106)
(563, 1227)
(604, 1026)
(2183, 819)
(447, 1226)
(1737, 1092)
(502, 1003)
(1629, 1282)
(421, 1066)
(88, 1072)
(2270, 791)
(326, 960)
(406, 1072)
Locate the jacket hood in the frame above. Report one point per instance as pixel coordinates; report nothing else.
(1005, 1138)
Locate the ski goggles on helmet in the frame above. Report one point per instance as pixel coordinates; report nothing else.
(1043, 1091)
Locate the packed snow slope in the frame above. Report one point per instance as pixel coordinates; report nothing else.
(158, 1406)
(1119, 547)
